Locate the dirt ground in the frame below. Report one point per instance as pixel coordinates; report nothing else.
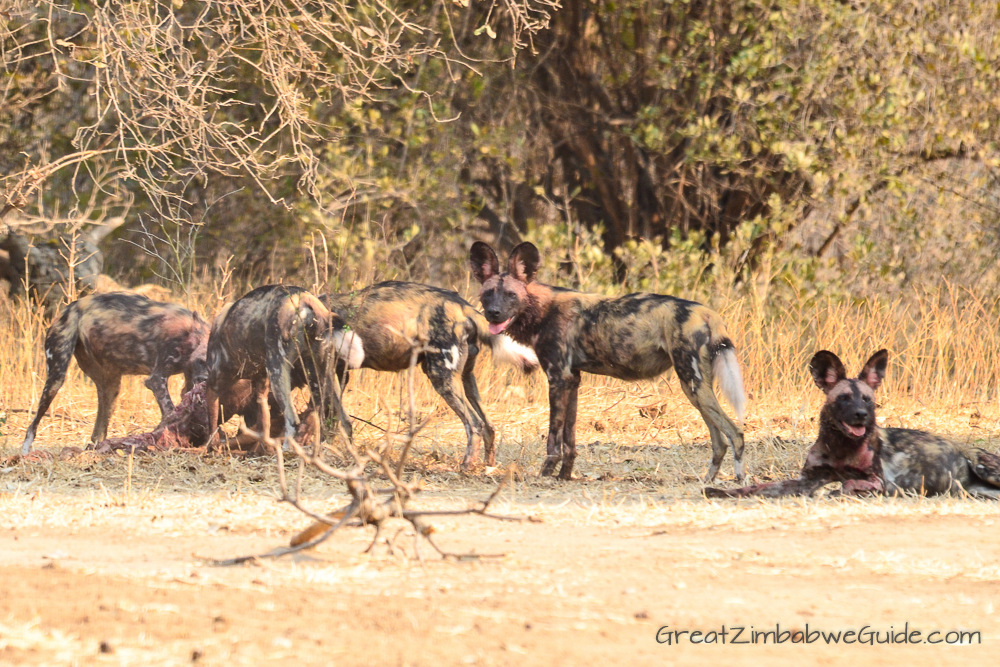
(101, 568)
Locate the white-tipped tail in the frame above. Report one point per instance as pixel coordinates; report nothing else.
(508, 351)
(349, 347)
(727, 369)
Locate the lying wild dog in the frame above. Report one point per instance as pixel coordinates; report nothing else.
(920, 462)
(119, 334)
(852, 449)
(188, 425)
(279, 338)
(394, 317)
(633, 337)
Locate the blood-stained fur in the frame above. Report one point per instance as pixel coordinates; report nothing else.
(188, 425)
(279, 338)
(633, 337)
(852, 449)
(119, 334)
(394, 317)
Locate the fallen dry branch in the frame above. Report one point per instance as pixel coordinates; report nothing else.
(369, 506)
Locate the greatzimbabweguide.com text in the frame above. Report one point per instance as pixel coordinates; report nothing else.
(867, 635)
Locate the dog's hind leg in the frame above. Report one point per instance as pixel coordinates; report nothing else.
(327, 398)
(441, 369)
(157, 383)
(54, 380)
(980, 490)
(984, 465)
(694, 371)
(474, 400)
(60, 344)
(723, 431)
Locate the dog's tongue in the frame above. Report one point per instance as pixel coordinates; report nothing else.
(856, 431)
(498, 328)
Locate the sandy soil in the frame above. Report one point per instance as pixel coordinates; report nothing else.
(95, 575)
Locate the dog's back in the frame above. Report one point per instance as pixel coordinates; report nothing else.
(391, 316)
(921, 462)
(927, 464)
(131, 332)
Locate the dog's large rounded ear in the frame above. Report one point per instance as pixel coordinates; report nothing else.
(874, 371)
(485, 263)
(827, 369)
(523, 262)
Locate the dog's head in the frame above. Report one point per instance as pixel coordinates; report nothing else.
(504, 295)
(850, 402)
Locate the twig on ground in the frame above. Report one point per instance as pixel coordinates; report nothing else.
(368, 506)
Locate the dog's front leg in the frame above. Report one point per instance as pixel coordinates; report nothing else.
(800, 486)
(862, 487)
(212, 406)
(815, 474)
(261, 386)
(157, 383)
(569, 428)
(279, 376)
(558, 402)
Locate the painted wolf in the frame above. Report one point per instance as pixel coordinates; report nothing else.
(119, 334)
(394, 317)
(632, 337)
(852, 449)
(279, 338)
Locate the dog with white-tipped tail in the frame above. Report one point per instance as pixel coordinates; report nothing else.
(634, 337)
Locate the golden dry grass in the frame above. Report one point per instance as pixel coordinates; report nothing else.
(943, 376)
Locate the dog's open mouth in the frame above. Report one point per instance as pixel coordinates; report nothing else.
(856, 431)
(499, 327)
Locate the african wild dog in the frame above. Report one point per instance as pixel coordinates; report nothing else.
(852, 449)
(119, 334)
(633, 337)
(393, 317)
(279, 338)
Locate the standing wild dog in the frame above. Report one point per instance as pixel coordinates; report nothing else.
(394, 317)
(119, 334)
(279, 338)
(633, 337)
(852, 449)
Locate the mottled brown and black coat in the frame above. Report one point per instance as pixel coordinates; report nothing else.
(631, 337)
(395, 318)
(927, 464)
(850, 447)
(279, 338)
(118, 334)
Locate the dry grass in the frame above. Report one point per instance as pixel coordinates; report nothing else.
(943, 375)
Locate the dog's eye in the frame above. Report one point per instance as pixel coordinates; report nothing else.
(868, 399)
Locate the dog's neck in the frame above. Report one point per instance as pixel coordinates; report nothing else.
(839, 444)
(525, 326)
